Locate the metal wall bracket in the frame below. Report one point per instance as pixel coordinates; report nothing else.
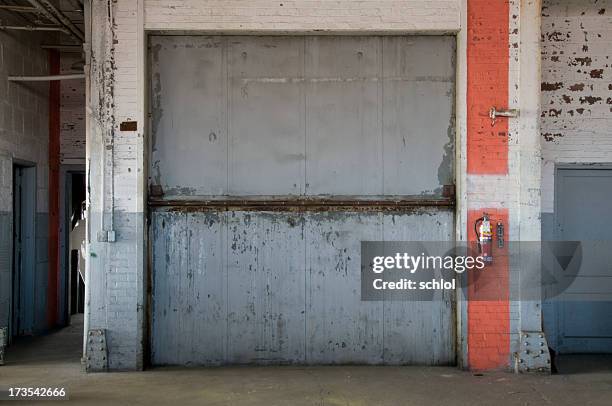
(533, 355)
(96, 358)
(494, 113)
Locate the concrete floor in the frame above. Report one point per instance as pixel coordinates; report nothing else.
(53, 360)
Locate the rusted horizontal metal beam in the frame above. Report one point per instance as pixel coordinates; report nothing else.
(304, 204)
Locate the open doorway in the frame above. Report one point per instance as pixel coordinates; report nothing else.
(23, 301)
(77, 236)
(72, 261)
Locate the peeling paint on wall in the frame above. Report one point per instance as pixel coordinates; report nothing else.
(576, 113)
(575, 68)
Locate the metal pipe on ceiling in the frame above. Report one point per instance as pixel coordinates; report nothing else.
(32, 28)
(53, 14)
(46, 78)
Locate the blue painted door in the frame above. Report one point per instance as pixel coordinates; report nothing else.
(583, 211)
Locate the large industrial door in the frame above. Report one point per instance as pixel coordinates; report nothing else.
(581, 320)
(272, 158)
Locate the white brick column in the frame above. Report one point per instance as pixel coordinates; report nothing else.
(115, 272)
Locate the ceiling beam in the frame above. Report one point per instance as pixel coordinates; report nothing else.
(63, 48)
(53, 14)
(19, 9)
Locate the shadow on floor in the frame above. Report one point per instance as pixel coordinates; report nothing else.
(571, 364)
(61, 345)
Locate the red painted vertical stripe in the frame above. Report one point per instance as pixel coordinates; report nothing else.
(487, 153)
(54, 166)
(487, 85)
(488, 305)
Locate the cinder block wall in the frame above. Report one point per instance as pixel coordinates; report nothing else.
(23, 139)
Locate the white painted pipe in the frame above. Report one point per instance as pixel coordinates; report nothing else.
(31, 28)
(46, 78)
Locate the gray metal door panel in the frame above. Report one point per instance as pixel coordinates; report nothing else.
(265, 268)
(405, 144)
(251, 287)
(207, 295)
(340, 327)
(418, 120)
(189, 288)
(170, 259)
(411, 327)
(582, 212)
(189, 107)
(353, 116)
(266, 125)
(343, 116)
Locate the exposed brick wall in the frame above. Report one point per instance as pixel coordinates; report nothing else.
(492, 182)
(487, 86)
(576, 118)
(489, 306)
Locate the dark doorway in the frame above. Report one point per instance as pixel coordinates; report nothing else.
(75, 187)
(24, 248)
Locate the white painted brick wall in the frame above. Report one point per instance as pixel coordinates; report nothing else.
(576, 122)
(303, 15)
(117, 270)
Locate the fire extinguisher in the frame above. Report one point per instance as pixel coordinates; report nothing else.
(485, 237)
